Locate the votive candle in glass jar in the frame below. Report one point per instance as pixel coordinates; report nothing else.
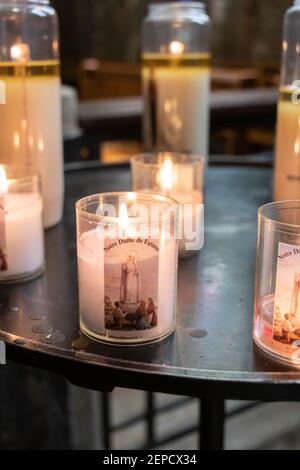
(127, 263)
(277, 302)
(21, 226)
(180, 176)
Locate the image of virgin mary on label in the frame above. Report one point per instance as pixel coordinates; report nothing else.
(131, 287)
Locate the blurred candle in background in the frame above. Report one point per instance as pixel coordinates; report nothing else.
(176, 77)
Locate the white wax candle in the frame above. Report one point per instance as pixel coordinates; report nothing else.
(31, 129)
(182, 92)
(24, 237)
(100, 277)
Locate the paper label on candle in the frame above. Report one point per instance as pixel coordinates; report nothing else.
(131, 270)
(3, 254)
(286, 314)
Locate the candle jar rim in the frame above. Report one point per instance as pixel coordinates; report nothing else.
(116, 197)
(272, 213)
(152, 159)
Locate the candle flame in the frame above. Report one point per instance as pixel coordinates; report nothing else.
(176, 47)
(167, 175)
(3, 180)
(20, 52)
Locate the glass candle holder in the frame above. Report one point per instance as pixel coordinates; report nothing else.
(127, 263)
(277, 303)
(21, 226)
(176, 56)
(180, 176)
(30, 113)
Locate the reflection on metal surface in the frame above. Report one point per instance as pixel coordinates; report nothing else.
(198, 333)
(53, 338)
(20, 341)
(14, 309)
(42, 329)
(38, 317)
(119, 151)
(81, 343)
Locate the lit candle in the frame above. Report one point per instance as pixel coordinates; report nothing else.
(31, 131)
(180, 177)
(127, 281)
(21, 227)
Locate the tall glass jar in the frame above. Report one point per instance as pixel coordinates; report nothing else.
(287, 168)
(176, 77)
(277, 301)
(31, 130)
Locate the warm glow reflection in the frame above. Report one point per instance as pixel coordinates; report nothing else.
(170, 105)
(167, 106)
(131, 196)
(55, 45)
(3, 180)
(176, 47)
(17, 140)
(167, 175)
(177, 123)
(20, 52)
(24, 125)
(123, 214)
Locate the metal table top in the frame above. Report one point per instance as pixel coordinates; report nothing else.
(210, 355)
